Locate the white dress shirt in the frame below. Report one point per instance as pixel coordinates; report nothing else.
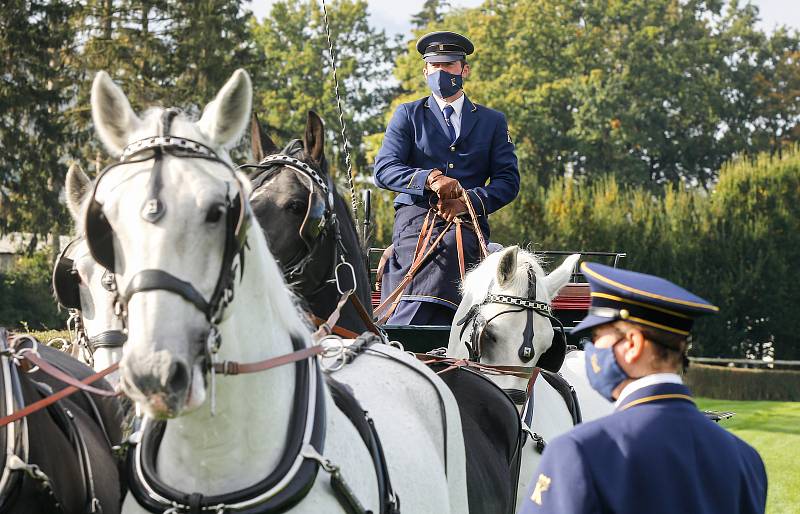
(648, 380)
(455, 118)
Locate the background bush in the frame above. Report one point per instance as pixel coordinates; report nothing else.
(26, 299)
(743, 384)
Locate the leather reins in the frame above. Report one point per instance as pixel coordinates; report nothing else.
(35, 361)
(424, 249)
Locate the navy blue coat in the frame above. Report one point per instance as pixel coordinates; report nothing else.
(417, 140)
(657, 454)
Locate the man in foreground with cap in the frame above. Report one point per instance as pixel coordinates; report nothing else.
(657, 452)
(437, 152)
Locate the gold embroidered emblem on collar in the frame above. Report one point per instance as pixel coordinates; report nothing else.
(542, 485)
(595, 366)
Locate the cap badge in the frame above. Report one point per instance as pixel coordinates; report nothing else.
(441, 48)
(542, 485)
(595, 366)
(624, 314)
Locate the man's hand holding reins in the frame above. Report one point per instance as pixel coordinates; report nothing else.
(445, 187)
(449, 209)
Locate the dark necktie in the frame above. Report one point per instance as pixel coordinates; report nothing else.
(448, 111)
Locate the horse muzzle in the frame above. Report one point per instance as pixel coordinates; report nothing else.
(159, 382)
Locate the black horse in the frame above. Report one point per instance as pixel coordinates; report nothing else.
(307, 223)
(59, 459)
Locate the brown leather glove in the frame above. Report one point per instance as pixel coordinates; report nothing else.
(445, 187)
(449, 209)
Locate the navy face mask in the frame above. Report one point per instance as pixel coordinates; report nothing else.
(602, 369)
(444, 84)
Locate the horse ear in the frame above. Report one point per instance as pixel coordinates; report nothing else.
(260, 142)
(225, 117)
(508, 266)
(77, 185)
(314, 140)
(113, 117)
(561, 275)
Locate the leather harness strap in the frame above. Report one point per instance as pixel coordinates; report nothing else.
(53, 398)
(516, 371)
(330, 326)
(237, 368)
(59, 375)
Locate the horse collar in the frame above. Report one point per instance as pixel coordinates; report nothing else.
(286, 485)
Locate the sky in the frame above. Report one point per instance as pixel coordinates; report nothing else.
(394, 15)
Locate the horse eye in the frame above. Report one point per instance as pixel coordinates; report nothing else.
(214, 214)
(297, 207)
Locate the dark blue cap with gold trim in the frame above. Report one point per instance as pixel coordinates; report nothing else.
(622, 295)
(444, 46)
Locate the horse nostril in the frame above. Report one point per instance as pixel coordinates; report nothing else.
(177, 378)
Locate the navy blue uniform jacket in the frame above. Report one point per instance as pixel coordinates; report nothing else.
(657, 454)
(482, 159)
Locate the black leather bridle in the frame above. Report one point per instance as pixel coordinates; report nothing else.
(316, 227)
(100, 235)
(478, 322)
(66, 286)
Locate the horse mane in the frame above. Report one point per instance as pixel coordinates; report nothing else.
(482, 277)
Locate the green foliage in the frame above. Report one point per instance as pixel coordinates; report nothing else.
(35, 51)
(296, 74)
(736, 246)
(773, 429)
(432, 12)
(26, 299)
(743, 384)
(649, 90)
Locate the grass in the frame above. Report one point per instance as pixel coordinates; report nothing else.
(772, 428)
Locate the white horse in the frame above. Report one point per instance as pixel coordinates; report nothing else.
(98, 332)
(173, 208)
(516, 273)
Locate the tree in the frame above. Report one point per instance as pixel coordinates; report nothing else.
(432, 12)
(36, 44)
(296, 75)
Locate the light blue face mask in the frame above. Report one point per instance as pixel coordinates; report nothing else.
(602, 369)
(444, 84)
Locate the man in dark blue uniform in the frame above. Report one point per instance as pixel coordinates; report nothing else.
(435, 149)
(657, 452)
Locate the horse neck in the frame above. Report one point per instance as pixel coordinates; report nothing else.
(244, 441)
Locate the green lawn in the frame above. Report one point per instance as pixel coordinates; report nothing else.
(772, 428)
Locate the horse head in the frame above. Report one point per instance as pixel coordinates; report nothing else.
(293, 203)
(308, 226)
(87, 289)
(170, 220)
(505, 317)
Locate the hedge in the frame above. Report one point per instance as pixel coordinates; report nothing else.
(723, 383)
